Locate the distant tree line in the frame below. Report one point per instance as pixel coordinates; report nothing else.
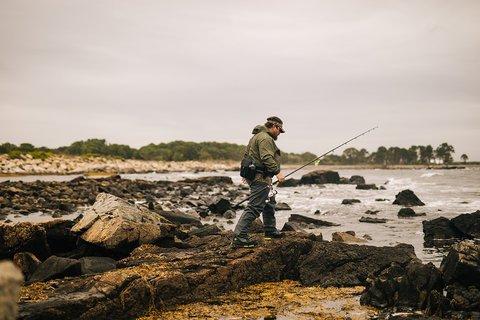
(395, 155)
(172, 151)
(184, 151)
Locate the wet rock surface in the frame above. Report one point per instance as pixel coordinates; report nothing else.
(23, 237)
(305, 221)
(320, 177)
(152, 276)
(420, 286)
(442, 231)
(409, 212)
(407, 198)
(372, 220)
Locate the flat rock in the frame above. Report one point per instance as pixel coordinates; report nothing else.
(350, 201)
(179, 218)
(56, 267)
(372, 220)
(205, 230)
(407, 198)
(303, 220)
(366, 187)
(211, 180)
(372, 212)
(440, 232)
(116, 225)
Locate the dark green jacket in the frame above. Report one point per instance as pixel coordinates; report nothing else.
(262, 149)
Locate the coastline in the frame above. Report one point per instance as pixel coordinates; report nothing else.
(101, 166)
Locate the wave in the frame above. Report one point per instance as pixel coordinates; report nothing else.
(431, 174)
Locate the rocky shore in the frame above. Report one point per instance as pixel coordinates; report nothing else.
(145, 248)
(60, 165)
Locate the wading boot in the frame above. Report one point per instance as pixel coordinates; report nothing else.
(239, 242)
(273, 235)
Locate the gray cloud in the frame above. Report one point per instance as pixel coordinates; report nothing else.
(151, 71)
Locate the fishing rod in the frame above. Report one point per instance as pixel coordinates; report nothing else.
(306, 164)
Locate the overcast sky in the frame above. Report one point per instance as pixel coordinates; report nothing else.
(137, 71)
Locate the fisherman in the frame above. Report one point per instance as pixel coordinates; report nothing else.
(261, 162)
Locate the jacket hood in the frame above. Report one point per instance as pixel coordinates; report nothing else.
(258, 129)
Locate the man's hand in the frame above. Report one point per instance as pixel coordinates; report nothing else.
(281, 177)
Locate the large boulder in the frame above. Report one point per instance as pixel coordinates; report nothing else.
(350, 201)
(407, 198)
(23, 237)
(403, 287)
(116, 225)
(341, 264)
(282, 206)
(442, 231)
(462, 264)
(11, 280)
(320, 177)
(356, 180)
(56, 267)
(468, 224)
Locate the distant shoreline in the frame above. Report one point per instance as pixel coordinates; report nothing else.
(100, 166)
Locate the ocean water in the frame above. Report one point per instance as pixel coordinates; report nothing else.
(446, 193)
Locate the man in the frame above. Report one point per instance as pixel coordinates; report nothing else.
(265, 158)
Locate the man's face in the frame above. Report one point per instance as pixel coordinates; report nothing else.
(276, 130)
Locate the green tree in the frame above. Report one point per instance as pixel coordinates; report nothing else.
(464, 158)
(7, 147)
(444, 152)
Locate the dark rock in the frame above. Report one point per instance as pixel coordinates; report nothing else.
(403, 286)
(372, 212)
(356, 180)
(350, 201)
(91, 265)
(382, 188)
(464, 299)
(468, 224)
(56, 267)
(372, 220)
(340, 264)
(282, 206)
(219, 206)
(289, 183)
(167, 276)
(26, 262)
(302, 220)
(380, 199)
(316, 212)
(409, 212)
(212, 180)
(60, 238)
(206, 230)
(179, 218)
(440, 232)
(320, 177)
(367, 237)
(229, 214)
(408, 199)
(462, 264)
(23, 237)
(366, 187)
